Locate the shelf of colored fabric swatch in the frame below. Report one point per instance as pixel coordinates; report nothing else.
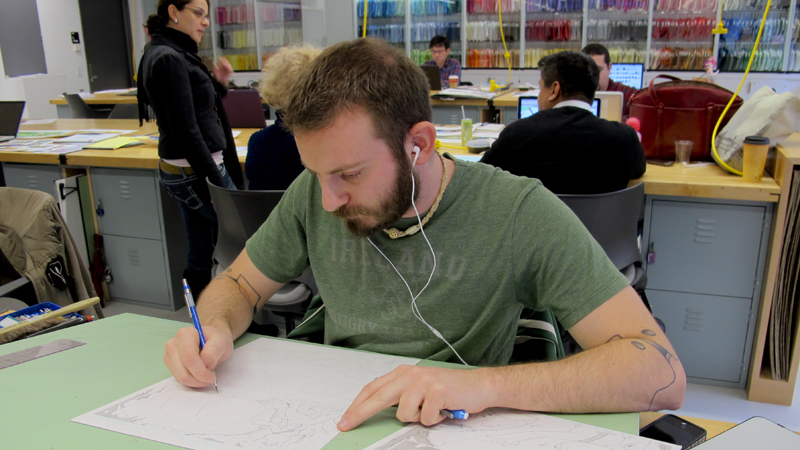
(736, 46)
(381, 8)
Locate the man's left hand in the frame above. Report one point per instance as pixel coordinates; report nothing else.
(222, 71)
(420, 393)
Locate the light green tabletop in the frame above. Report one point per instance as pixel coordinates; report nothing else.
(122, 355)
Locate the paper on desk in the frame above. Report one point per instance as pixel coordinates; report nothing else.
(241, 150)
(236, 133)
(115, 91)
(530, 93)
(40, 134)
(505, 428)
(272, 394)
(85, 137)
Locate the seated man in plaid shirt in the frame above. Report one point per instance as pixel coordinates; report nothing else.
(440, 50)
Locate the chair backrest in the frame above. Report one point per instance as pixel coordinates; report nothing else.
(244, 108)
(239, 213)
(612, 219)
(124, 111)
(79, 108)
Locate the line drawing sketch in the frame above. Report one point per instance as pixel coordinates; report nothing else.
(272, 394)
(500, 428)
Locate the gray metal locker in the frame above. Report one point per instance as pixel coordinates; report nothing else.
(699, 247)
(129, 199)
(138, 270)
(39, 177)
(707, 332)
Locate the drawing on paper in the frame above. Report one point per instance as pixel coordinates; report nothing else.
(501, 428)
(272, 394)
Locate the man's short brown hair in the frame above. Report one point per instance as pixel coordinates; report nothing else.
(366, 74)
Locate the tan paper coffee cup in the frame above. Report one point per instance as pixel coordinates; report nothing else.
(755, 157)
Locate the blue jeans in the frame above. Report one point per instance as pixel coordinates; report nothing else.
(199, 218)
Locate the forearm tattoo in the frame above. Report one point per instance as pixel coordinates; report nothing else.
(245, 288)
(641, 344)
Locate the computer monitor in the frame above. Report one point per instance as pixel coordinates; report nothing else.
(612, 105)
(434, 78)
(10, 118)
(529, 105)
(629, 74)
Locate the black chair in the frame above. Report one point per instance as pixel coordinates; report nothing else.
(80, 110)
(240, 214)
(613, 220)
(124, 111)
(244, 108)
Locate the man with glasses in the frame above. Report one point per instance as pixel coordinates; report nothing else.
(440, 50)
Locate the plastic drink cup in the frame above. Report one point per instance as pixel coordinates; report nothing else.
(755, 158)
(453, 81)
(466, 131)
(683, 152)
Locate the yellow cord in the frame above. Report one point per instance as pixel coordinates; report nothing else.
(506, 55)
(133, 39)
(735, 94)
(438, 144)
(364, 31)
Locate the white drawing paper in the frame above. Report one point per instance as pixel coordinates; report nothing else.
(503, 428)
(272, 394)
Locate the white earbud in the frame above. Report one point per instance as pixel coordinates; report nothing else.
(416, 154)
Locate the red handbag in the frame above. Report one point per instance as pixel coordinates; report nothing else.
(680, 110)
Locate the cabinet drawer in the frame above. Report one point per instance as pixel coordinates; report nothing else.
(138, 269)
(709, 333)
(130, 202)
(32, 176)
(705, 248)
(451, 115)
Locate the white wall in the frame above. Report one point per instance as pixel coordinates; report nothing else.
(58, 18)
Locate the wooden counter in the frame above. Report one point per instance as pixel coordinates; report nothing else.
(697, 181)
(139, 157)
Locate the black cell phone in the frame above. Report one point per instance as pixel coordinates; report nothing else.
(674, 430)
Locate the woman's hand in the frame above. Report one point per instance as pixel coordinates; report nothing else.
(222, 71)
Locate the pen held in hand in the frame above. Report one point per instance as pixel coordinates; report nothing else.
(187, 295)
(455, 414)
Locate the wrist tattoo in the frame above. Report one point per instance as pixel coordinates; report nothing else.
(641, 344)
(245, 288)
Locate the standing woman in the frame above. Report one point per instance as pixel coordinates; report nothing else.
(195, 140)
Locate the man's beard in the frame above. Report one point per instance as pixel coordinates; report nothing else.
(390, 208)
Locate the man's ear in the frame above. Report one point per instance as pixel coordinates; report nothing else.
(556, 92)
(422, 135)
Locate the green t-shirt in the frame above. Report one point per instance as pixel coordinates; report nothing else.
(501, 242)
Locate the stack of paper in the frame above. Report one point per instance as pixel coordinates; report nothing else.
(114, 143)
(781, 321)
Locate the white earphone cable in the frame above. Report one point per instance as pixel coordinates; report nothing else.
(414, 307)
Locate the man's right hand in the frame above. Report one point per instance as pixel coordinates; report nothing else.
(188, 364)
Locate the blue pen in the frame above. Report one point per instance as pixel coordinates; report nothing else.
(456, 414)
(187, 295)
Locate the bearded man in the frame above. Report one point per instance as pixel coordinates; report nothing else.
(419, 254)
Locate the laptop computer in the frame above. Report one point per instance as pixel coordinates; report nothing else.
(435, 80)
(629, 74)
(529, 105)
(10, 118)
